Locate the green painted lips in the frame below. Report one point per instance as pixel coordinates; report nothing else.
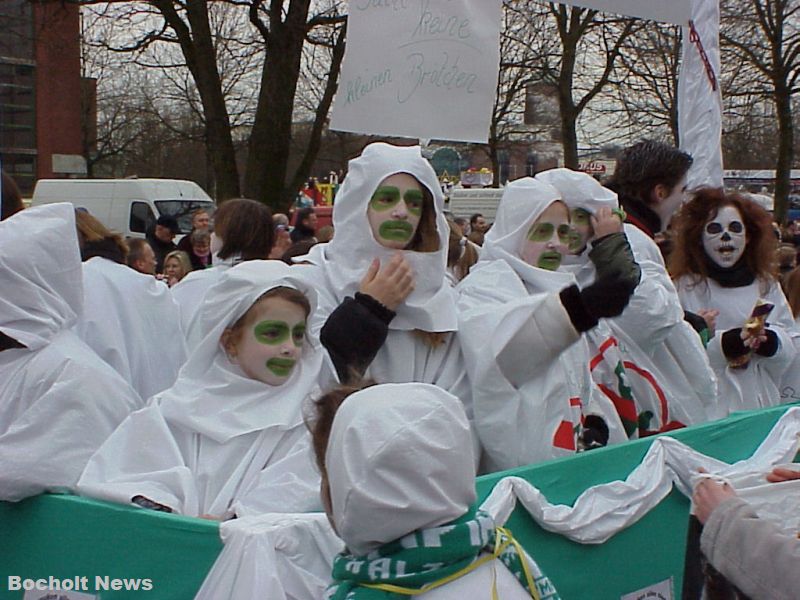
(398, 231)
(549, 260)
(281, 367)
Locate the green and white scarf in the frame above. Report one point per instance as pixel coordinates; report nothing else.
(429, 558)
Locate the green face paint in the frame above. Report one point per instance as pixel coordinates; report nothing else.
(384, 198)
(271, 332)
(281, 367)
(299, 334)
(580, 217)
(414, 200)
(549, 260)
(543, 232)
(396, 231)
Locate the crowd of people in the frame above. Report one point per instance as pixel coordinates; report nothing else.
(252, 365)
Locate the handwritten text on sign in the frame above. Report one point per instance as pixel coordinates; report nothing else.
(420, 68)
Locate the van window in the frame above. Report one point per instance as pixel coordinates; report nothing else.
(182, 210)
(142, 217)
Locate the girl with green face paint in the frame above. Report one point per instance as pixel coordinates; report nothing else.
(395, 210)
(267, 343)
(548, 239)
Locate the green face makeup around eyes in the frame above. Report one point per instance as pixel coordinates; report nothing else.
(580, 216)
(396, 231)
(542, 232)
(299, 334)
(271, 333)
(414, 201)
(384, 198)
(281, 367)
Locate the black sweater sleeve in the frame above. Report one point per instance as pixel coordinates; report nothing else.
(354, 333)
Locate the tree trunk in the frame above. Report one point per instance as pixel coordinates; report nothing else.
(566, 103)
(783, 105)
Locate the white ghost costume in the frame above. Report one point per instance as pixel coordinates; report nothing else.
(399, 459)
(757, 385)
(219, 442)
(133, 323)
(58, 400)
(666, 368)
(338, 267)
(528, 365)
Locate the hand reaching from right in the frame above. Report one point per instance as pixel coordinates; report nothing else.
(391, 284)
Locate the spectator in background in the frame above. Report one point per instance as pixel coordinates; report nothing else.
(129, 318)
(141, 256)
(325, 234)
(176, 266)
(463, 225)
(305, 227)
(200, 256)
(478, 224)
(282, 239)
(160, 238)
(11, 198)
(201, 221)
(787, 261)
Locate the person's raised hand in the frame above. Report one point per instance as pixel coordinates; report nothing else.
(390, 284)
(605, 222)
(709, 315)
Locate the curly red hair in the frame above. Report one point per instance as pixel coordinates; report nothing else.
(689, 257)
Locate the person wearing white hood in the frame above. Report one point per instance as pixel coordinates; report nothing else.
(668, 382)
(130, 319)
(228, 439)
(398, 487)
(388, 310)
(243, 231)
(58, 400)
(521, 321)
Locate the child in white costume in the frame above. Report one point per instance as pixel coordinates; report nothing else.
(666, 368)
(58, 400)
(521, 322)
(724, 261)
(398, 487)
(385, 302)
(228, 438)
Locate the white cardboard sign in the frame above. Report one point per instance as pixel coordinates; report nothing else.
(420, 68)
(672, 11)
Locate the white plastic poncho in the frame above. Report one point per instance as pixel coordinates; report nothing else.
(665, 364)
(219, 442)
(338, 267)
(528, 365)
(132, 322)
(759, 384)
(399, 459)
(58, 400)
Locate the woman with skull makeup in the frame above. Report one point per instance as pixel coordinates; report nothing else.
(724, 262)
(387, 310)
(521, 320)
(228, 437)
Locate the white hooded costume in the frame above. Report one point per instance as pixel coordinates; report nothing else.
(757, 385)
(133, 323)
(528, 365)
(218, 442)
(338, 267)
(399, 459)
(58, 400)
(665, 364)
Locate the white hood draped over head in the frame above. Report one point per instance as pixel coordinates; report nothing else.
(58, 399)
(41, 272)
(228, 444)
(399, 458)
(524, 200)
(346, 258)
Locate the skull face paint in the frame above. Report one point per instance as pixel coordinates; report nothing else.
(549, 238)
(395, 210)
(725, 237)
(271, 341)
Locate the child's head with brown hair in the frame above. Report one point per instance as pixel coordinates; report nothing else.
(267, 341)
(402, 216)
(96, 239)
(718, 230)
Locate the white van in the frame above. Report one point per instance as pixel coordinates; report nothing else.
(127, 206)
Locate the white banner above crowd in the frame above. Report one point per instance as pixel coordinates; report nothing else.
(420, 69)
(678, 12)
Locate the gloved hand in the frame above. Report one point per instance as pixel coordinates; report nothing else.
(603, 299)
